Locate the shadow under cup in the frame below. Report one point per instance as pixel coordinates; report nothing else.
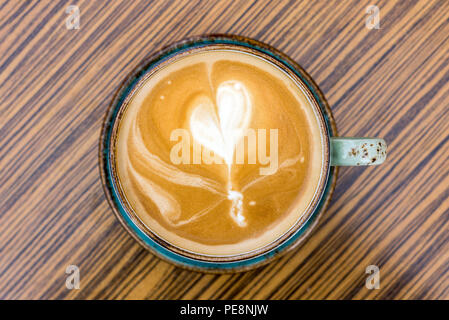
(159, 246)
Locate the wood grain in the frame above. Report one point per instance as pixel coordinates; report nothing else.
(55, 86)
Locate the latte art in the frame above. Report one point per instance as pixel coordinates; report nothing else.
(219, 128)
(219, 153)
(221, 135)
(234, 113)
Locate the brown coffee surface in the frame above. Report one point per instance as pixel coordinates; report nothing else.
(217, 106)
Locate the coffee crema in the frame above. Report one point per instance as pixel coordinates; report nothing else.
(219, 152)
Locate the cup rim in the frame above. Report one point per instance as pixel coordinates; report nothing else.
(114, 193)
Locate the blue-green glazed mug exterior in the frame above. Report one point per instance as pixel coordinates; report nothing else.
(342, 151)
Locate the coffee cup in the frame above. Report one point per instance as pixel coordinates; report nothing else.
(219, 153)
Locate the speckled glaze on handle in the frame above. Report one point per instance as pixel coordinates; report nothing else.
(357, 151)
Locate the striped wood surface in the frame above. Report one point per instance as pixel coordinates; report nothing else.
(55, 86)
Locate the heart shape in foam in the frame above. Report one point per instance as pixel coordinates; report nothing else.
(219, 126)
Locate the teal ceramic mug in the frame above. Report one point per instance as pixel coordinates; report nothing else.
(338, 151)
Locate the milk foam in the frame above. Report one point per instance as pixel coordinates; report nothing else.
(228, 208)
(221, 135)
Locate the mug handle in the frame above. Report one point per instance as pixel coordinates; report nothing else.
(357, 151)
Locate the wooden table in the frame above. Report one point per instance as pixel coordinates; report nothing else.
(392, 82)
